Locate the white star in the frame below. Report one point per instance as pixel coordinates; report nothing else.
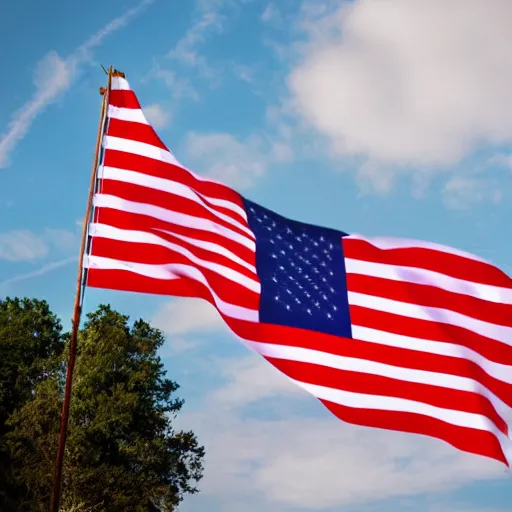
(309, 311)
(329, 315)
(274, 255)
(288, 307)
(334, 308)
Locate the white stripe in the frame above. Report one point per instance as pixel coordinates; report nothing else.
(140, 148)
(215, 248)
(142, 237)
(383, 403)
(221, 203)
(498, 371)
(386, 403)
(429, 278)
(132, 115)
(172, 271)
(120, 84)
(385, 243)
(180, 219)
(437, 315)
(150, 151)
(171, 187)
(350, 364)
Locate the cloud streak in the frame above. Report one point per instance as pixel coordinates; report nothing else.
(53, 77)
(44, 269)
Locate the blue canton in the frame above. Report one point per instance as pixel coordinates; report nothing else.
(302, 272)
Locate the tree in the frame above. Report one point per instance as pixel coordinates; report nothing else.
(122, 452)
(30, 349)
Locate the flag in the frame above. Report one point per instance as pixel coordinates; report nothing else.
(390, 333)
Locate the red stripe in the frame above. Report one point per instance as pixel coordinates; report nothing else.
(393, 356)
(125, 220)
(424, 329)
(123, 99)
(431, 296)
(144, 165)
(160, 252)
(227, 290)
(368, 384)
(428, 259)
(134, 131)
(469, 440)
(166, 200)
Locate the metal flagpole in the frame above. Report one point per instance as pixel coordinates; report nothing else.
(54, 507)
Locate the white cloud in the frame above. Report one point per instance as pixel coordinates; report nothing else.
(410, 83)
(233, 162)
(289, 461)
(25, 245)
(178, 87)
(271, 14)
(186, 316)
(158, 116)
(22, 245)
(53, 76)
(209, 20)
(44, 269)
(462, 192)
(250, 380)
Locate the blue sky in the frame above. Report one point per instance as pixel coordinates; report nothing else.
(377, 117)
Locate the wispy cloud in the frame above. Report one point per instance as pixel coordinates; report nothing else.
(25, 245)
(44, 269)
(53, 76)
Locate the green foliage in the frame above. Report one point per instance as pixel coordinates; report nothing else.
(122, 452)
(30, 346)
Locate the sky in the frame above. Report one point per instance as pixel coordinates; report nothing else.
(378, 117)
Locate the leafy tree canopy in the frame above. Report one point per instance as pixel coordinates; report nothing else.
(123, 453)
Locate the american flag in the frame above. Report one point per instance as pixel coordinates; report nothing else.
(389, 333)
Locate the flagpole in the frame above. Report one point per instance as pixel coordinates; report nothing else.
(77, 309)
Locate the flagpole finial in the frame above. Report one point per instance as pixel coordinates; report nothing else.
(103, 90)
(118, 73)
